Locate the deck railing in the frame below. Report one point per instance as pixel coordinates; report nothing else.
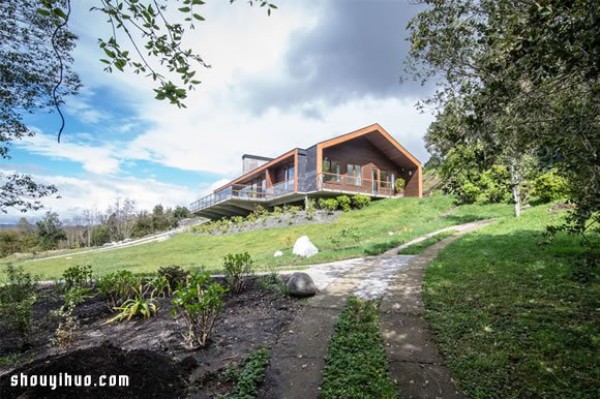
(244, 192)
(353, 184)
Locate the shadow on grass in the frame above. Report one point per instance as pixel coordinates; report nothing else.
(510, 319)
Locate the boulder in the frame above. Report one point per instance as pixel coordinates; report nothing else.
(277, 254)
(303, 247)
(301, 285)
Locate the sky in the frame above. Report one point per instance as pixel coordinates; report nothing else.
(309, 72)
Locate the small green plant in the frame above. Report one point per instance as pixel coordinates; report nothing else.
(67, 321)
(344, 202)
(237, 220)
(328, 204)
(117, 286)
(272, 283)
(238, 267)
(78, 277)
(17, 298)
(174, 275)
(360, 201)
(251, 375)
(10, 359)
(141, 304)
(198, 302)
(399, 185)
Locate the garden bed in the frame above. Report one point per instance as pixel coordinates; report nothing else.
(151, 352)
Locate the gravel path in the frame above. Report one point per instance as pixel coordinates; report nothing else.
(297, 361)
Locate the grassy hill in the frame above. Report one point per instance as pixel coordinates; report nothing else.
(511, 313)
(353, 234)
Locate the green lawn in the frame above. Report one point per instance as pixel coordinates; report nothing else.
(421, 246)
(508, 317)
(406, 218)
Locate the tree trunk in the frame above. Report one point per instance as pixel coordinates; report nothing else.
(515, 181)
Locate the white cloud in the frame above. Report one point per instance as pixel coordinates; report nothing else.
(99, 192)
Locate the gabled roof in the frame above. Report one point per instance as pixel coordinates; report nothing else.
(380, 138)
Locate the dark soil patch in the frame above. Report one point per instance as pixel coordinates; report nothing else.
(250, 320)
(150, 375)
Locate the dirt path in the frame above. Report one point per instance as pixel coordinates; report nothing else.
(297, 361)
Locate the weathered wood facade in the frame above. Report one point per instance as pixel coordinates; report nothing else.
(366, 161)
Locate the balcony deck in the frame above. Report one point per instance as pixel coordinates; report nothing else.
(242, 200)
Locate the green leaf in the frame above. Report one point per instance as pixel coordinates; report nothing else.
(59, 13)
(198, 17)
(111, 54)
(185, 9)
(43, 12)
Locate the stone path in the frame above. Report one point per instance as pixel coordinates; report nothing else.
(297, 361)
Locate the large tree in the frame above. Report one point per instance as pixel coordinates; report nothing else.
(35, 65)
(522, 76)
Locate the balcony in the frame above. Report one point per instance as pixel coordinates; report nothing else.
(239, 199)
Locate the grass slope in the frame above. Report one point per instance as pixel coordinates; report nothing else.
(508, 318)
(407, 218)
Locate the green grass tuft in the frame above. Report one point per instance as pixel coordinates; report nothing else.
(356, 366)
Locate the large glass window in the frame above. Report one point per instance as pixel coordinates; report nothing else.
(331, 171)
(354, 174)
(385, 179)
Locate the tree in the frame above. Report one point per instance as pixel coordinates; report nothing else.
(522, 75)
(35, 66)
(50, 231)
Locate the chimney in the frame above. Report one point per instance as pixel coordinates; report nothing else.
(251, 162)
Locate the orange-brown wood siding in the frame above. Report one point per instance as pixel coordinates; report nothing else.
(361, 152)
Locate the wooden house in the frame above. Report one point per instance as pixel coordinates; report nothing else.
(366, 161)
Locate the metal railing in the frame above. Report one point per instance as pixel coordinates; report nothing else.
(244, 192)
(353, 184)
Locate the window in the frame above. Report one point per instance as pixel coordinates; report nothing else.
(354, 174)
(385, 180)
(331, 171)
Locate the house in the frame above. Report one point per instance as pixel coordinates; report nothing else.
(366, 161)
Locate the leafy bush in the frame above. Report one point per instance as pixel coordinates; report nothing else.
(344, 202)
(360, 201)
(17, 298)
(549, 187)
(67, 321)
(141, 304)
(328, 204)
(237, 269)
(78, 277)
(174, 275)
(469, 193)
(198, 303)
(399, 185)
(117, 286)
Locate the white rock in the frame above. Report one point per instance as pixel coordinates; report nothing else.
(390, 233)
(303, 247)
(277, 254)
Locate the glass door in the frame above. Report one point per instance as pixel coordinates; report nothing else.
(375, 181)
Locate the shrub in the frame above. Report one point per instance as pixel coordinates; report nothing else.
(549, 187)
(78, 277)
(199, 303)
(399, 185)
(360, 201)
(174, 275)
(117, 286)
(67, 321)
(469, 193)
(272, 283)
(17, 298)
(344, 202)
(328, 204)
(141, 304)
(237, 269)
